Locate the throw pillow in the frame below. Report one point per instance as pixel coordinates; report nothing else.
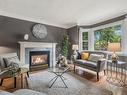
(85, 56)
(5, 93)
(95, 57)
(78, 55)
(9, 60)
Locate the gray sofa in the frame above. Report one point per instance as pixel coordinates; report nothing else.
(93, 63)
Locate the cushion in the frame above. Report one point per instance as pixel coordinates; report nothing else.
(78, 55)
(95, 57)
(6, 93)
(5, 55)
(86, 63)
(22, 92)
(84, 56)
(9, 60)
(28, 92)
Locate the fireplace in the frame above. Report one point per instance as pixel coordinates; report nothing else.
(39, 59)
(27, 47)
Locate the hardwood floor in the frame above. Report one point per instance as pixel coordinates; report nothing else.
(103, 83)
(8, 84)
(89, 75)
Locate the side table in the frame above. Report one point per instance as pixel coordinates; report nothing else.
(116, 72)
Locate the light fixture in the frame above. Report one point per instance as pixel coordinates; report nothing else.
(114, 47)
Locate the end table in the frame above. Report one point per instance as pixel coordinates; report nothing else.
(116, 72)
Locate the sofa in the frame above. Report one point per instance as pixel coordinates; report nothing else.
(96, 61)
(22, 92)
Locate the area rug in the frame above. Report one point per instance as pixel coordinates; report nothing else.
(76, 85)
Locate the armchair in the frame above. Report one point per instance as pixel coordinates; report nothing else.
(8, 69)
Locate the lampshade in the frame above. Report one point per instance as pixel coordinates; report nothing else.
(74, 47)
(114, 47)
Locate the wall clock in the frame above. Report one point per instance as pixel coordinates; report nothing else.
(39, 31)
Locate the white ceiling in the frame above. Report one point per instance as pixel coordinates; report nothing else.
(63, 13)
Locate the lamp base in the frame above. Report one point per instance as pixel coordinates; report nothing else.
(114, 58)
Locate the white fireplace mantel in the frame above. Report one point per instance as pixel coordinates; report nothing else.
(24, 45)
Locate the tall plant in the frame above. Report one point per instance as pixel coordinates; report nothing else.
(64, 45)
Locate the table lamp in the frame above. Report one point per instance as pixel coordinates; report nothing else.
(114, 47)
(74, 48)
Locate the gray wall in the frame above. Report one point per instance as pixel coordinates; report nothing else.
(12, 30)
(73, 38)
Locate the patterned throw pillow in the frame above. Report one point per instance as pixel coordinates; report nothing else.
(9, 60)
(95, 57)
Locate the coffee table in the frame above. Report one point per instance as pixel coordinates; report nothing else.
(58, 72)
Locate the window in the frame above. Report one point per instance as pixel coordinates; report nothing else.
(97, 38)
(107, 35)
(85, 40)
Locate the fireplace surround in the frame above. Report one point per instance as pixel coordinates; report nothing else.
(27, 47)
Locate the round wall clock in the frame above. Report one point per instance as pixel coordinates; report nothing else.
(39, 31)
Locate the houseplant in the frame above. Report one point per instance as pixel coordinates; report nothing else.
(64, 45)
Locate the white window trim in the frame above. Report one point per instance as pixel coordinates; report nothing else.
(108, 25)
(124, 37)
(123, 24)
(81, 30)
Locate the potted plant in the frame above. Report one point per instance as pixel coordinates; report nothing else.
(62, 57)
(65, 45)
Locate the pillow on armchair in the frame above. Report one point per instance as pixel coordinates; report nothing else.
(5, 93)
(9, 60)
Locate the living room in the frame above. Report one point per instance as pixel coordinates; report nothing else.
(63, 47)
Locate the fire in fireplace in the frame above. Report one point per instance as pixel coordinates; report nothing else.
(39, 58)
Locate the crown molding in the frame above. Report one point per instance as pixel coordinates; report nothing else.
(3, 13)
